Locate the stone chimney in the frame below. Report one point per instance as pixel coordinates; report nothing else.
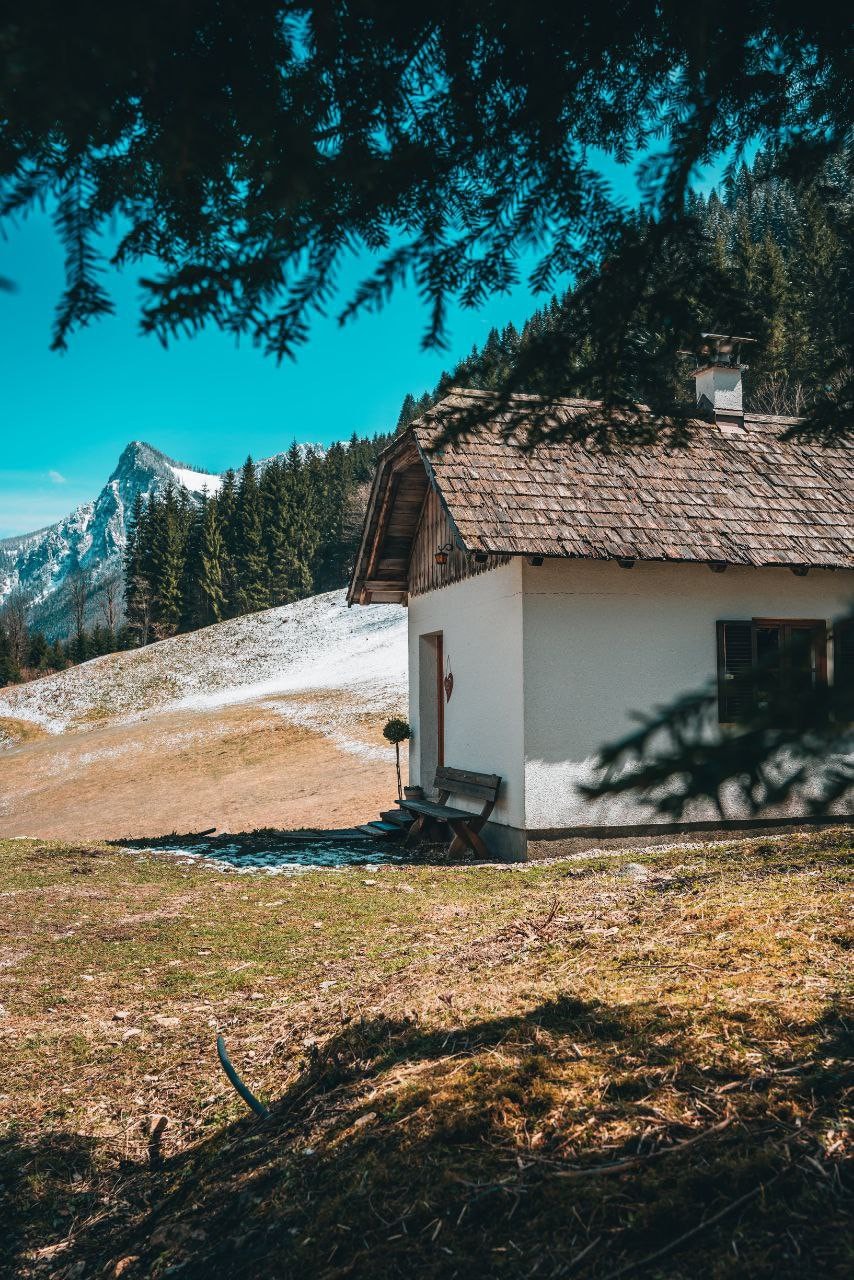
(717, 379)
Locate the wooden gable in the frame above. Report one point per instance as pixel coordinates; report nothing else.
(405, 524)
(435, 530)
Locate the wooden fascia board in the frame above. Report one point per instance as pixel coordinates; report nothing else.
(398, 463)
(381, 522)
(355, 591)
(392, 460)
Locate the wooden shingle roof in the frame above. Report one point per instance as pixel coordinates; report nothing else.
(741, 497)
(732, 496)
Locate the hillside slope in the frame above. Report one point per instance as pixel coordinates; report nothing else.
(272, 719)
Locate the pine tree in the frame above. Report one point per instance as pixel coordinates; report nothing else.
(191, 604)
(227, 506)
(210, 582)
(303, 525)
(167, 562)
(252, 589)
(407, 412)
(37, 656)
(277, 533)
(332, 558)
(56, 659)
(10, 672)
(137, 586)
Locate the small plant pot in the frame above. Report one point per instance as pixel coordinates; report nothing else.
(413, 793)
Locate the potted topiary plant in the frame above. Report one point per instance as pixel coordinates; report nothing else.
(397, 731)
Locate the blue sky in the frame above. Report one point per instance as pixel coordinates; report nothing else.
(66, 417)
(204, 400)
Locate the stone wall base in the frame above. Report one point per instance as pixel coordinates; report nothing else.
(513, 844)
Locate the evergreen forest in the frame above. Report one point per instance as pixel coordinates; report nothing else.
(781, 257)
(274, 533)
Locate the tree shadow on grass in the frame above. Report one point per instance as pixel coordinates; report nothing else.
(44, 1186)
(401, 1151)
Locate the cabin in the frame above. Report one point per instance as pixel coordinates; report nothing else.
(553, 591)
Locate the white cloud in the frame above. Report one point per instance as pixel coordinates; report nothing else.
(56, 477)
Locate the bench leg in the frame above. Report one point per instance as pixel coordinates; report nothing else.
(458, 843)
(465, 836)
(413, 835)
(476, 843)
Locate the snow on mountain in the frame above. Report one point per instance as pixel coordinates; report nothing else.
(196, 481)
(91, 538)
(324, 664)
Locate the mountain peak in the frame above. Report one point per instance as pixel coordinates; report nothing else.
(141, 456)
(92, 537)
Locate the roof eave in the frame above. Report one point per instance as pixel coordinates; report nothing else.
(360, 590)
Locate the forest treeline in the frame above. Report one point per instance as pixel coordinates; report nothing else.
(26, 653)
(782, 256)
(273, 533)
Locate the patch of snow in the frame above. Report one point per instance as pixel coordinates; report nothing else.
(316, 643)
(196, 481)
(291, 858)
(323, 663)
(332, 720)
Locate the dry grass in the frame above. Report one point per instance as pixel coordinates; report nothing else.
(456, 1060)
(15, 732)
(189, 770)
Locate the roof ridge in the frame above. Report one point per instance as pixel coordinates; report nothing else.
(478, 393)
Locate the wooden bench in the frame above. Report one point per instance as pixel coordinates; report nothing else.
(464, 826)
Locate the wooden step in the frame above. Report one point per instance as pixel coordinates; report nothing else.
(382, 829)
(396, 815)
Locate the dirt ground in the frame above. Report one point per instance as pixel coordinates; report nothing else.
(235, 768)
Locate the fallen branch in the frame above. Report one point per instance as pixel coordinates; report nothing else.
(602, 1170)
(765, 1077)
(573, 1262)
(694, 1231)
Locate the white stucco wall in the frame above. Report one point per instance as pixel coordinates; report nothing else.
(600, 641)
(722, 388)
(481, 622)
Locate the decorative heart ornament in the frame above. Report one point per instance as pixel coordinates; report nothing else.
(449, 685)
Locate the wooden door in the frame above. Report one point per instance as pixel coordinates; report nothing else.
(440, 700)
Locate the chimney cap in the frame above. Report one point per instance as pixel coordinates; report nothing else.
(719, 349)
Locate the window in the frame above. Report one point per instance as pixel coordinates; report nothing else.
(767, 656)
(843, 653)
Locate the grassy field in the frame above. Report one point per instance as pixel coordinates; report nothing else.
(627, 1065)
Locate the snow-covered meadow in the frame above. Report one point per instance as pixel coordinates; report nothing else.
(323, 663)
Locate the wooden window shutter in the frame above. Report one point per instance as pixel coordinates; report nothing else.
(735, 663)
(843, 653)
